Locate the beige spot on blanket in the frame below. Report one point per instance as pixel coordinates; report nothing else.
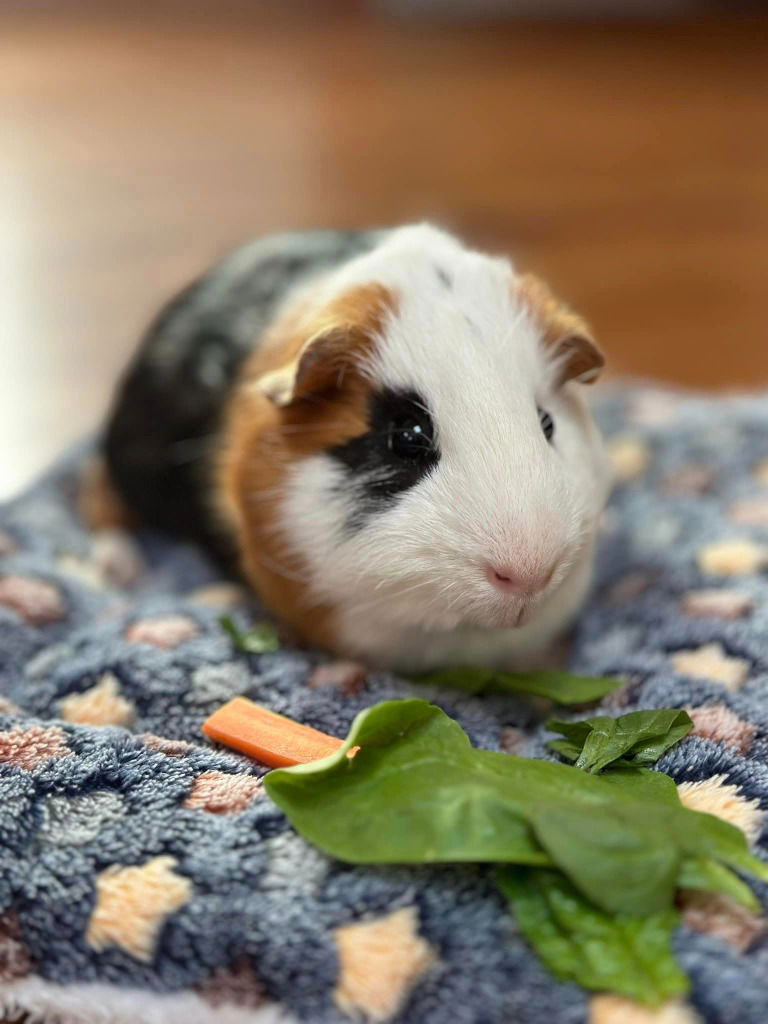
(219, 595)
(721, 798)
(15, 958)
(80, 569)
(103, 704)
(718, 722)
(165, 631)
(630, 456)
(717, 604)
(30, 747)
(223, 792)
(734, 557)
(711, 662)
(36, 602)
(380, 963)
(721, 917)
(610, 1009)
(132, 905)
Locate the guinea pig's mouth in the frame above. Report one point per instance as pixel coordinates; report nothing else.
(508, 615)
(511, 608)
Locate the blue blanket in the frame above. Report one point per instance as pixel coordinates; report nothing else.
(145, 876)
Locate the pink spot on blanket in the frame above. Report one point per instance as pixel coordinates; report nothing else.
(36, 602)
(28, 748)
(223, 793)
(718, 722)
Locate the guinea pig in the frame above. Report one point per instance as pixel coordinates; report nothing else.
(386, 432)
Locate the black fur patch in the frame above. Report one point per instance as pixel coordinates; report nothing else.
(396, 453)
(162, 434)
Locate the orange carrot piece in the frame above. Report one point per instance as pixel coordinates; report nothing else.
(266, 736)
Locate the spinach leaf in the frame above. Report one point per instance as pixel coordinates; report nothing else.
(639, 738)
(410, 795)
(707, 874)
(561, 687)
(580, 943)
(624, 860)
(417, 792)
(260, 639)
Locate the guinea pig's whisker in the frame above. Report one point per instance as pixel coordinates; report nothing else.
(382, 599)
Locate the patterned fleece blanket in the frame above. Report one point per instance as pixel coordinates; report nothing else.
(146, 877)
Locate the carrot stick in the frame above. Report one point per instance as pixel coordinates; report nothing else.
(266, 736)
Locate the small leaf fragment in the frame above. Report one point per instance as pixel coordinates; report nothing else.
(561, 687)
(260, 639)
(638, 738)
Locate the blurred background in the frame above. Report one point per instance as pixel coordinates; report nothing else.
(618, 147)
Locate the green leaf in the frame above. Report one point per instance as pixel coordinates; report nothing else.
(621, 858)
(639, 738)
(260, 639)
(704, 835)
(705, 873)
(408, 796)
(561, 687)
(417, 792)
(570, 751)
(578, 942)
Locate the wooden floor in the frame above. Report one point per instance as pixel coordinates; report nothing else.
(628, 163)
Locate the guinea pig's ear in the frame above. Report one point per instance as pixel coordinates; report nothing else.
(333, 347)
(566, 337)
(323, 359)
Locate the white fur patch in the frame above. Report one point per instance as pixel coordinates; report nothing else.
(410, 585)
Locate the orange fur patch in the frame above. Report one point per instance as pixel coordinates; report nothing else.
(563, 331)
(293, 401)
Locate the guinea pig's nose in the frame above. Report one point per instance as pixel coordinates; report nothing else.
(511, 580)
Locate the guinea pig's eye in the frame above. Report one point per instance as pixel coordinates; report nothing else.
(408, 438)
(547, 424)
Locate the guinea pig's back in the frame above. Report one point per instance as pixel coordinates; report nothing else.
(162, 431)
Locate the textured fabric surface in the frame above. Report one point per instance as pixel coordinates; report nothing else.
(136, 858)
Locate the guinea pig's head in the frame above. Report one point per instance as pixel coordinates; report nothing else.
(410, 442)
